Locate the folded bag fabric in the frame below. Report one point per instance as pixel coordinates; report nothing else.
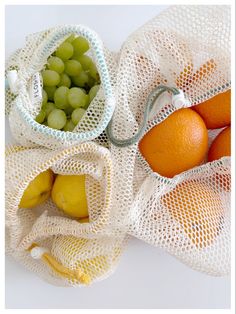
(55, 246)
(25, 66)
(169, 63)
(178, 59)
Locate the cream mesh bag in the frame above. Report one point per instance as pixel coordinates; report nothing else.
(184, 51)
(24, 68)
(56, 247)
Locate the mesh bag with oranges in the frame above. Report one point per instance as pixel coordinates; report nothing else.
(164, 176)
(172, 162)
(65, 247)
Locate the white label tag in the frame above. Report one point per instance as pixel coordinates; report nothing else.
(35, 89)
(11, 79)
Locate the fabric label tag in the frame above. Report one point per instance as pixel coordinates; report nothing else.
(35, 89)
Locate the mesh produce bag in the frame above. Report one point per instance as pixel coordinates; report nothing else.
(183, 51)
(23, 105)
(55, 246)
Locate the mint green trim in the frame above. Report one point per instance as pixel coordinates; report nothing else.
(40, 57)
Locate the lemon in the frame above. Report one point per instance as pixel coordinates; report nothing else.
(69, 195)
(84, 220)
(70, 249)
(38, 190)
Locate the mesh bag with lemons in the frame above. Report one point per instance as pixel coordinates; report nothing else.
(59, 213)
(59, 87)
(172, 162)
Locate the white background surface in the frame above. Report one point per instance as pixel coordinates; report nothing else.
(146, 277)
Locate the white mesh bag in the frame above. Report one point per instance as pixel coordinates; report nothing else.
(25, 66)
(183, 51)
(55, 246)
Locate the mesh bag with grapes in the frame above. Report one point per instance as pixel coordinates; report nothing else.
(184, 51)
(60, 87)
(62, 249)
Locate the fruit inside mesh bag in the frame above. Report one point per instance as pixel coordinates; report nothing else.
(198, 210)
(165, 155)
(93, 258)
(70, 82)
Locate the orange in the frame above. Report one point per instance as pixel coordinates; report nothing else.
(222, 181)
(220, 147)
(216, 110)
(188, 79)
(198, 210)
(177, 144)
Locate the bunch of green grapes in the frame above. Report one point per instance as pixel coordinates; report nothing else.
(70, 82)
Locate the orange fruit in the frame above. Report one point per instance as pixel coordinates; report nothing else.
(222, 181)
(198, 210)
(216, 110)
(176, 144)
(188, 79)
(220, 147)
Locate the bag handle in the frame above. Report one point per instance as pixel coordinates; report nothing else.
(38, 252)
(178, 99)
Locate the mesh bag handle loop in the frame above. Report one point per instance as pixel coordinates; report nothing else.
(77, 275)
(152, 98)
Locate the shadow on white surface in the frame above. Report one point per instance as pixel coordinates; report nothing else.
(146, 278)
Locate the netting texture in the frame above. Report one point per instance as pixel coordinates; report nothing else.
(32, 59)
(189, 215)
(187, 47)
(92, 246)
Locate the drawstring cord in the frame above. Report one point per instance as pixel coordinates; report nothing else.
(178, 98)
(38, 252)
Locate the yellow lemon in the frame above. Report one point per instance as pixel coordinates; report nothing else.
(38, 190)
(69, 195)
(70, 250)
(84, 220)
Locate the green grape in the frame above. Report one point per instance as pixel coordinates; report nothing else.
(50, 78)
(69, 126)
(93, 92)
(57, 119)
(45, 123)
(77, 114)
(65, 51)
(61, 97)
(41, 116)
(70, 38)
(86, 101)
(80, 80)
(91, 81)
(85, 61)
(50, 90)
(45, 97)
(48, 108)
(80, 45)
(77, 97)
(68, 110)
(93, 72)
(65, 80)
(72, 67)
(56, 64)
